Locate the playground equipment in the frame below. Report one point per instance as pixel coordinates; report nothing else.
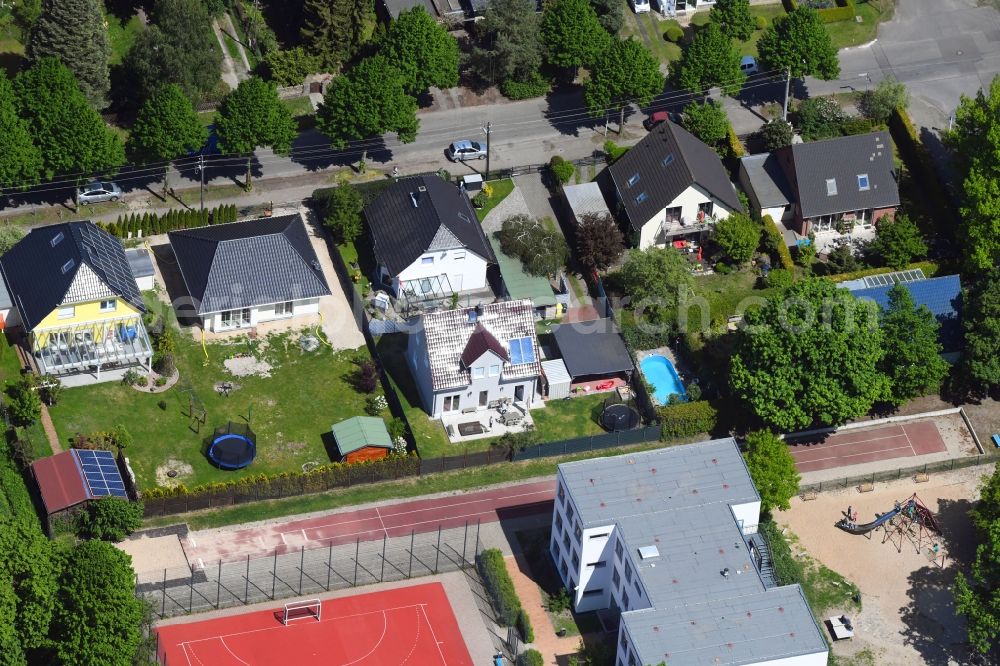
(910, 519)
(232, 446)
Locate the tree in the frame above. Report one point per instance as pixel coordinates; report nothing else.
(712, 60)
(252, 116)
(738, 236)
(912, 359)
(841, 259)
(97, 621)
(70, 135)
(819, 118)
(540, 247)
(111, 519)
(573, 34)
(707, 121)
(656, 280)
(799, 42)
(888, 95)
(809, 357)
(28, 560)
(9, 237)
(343, 207)
(11, 653)
(423, 51)
(167, 127)
(898, 241)
(73, 31)
(20, 160)
(772, 469)
(334, 30)
(599, 241)
(25, 13)
(981, 318)
(511, 31)
(776, 134)
(977, 596)
(734, 17)
(290, 67)
(24, 406)
(623, 74)
(367, 102)
(611, 14)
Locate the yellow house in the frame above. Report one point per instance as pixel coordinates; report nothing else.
(77, 300)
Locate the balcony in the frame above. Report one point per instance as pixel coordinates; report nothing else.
(681, 226)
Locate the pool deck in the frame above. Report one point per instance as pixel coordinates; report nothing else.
(669, 354)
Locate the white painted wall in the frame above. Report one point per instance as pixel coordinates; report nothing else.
(263, 313)
(747, 515)
(469, 395)
(778, 213)
(145, 283)
(466, 270)
(688, 200)
(816, 659)
(596, 545)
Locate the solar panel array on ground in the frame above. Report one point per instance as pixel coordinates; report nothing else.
(101, 472)
(889, 279)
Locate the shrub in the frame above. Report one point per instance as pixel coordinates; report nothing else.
(536, 86)
(774, 236)
(779, 278)
(530, 658)
(760, 23)
(142, 380)
(686, 419)
(289, 68)
(674, 33)
(920, 165)
(776, 134)
(819, 118)
(856, 125)
(734, 145)
(524, 626)
(375, 403)
(693, 391)
(723, 268)
(366, 376)
(541, 247)
(165, 365)
(342, 208)
(880, 103)
(160, 381)
(499, 586)
(111, 519)
(22, 451)
(558, 602)
(613, 150)
(561, 169)
(162, 405)
(24, 406)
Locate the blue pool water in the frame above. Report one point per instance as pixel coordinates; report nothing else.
(659, 371)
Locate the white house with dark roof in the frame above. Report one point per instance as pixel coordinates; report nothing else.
(666, 540)
(672, 187)
(472, 359)
(427, 240)
(242, 274)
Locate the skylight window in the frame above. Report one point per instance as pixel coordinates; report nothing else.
(633, 179)
(464, 218)
(831, 187)
(55, 239)
(668, 160)
(68, 266)
(863, 183)
(642, 197)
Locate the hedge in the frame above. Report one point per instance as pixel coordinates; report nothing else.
(784, 255)
(524, 626)
(515, 90)
(561, 169)
(530, 658)
(614, 151)
(929, 269)
(844, 11)
(685, 419)
(151, 223)
(501, 590)
(733, 144)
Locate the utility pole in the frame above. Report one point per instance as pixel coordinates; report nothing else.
(487, 130)
(788, 85)
(201, 172)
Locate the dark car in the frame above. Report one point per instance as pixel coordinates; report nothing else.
(658, 117)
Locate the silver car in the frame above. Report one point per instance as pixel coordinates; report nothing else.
(463, 150)
(98, 192)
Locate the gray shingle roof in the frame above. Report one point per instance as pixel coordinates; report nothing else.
(250, 263)
(667, 161)
(41, 270)
(769, 184)
(592, 348)
(405, 220)
(842, 160)
(448, 334)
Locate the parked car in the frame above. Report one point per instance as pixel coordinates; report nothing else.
(658, 117)
(97, 192)
(748, 65)
(463, 150)
(640, 6)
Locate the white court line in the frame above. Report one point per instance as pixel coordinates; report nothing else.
(385, 627)
(908, 440)
(235, 656)
(184, 646)
(304, 535)
(194, 544)
(416, 641)
(860, 441)
(398, 527)
(201, 564)
(381, 522)
(472, 501)
(853, 455)
(430, 626)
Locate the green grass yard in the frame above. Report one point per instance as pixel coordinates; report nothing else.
(501, 188)
(121, 36)
(852, 33)
(725, 296)
(769, 12)
(564, 419)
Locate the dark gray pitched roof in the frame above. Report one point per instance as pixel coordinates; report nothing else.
(244, 264)
(41, 268)
(770, 187)
(404, 220)
(843, 159)
(668, 161)
(592, 348)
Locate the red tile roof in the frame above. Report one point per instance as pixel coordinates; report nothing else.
(60, 481)
(480, 342)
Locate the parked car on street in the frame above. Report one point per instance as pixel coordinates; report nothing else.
(748, 65)
(658, 117)
(98, 192)
(640, 6)
(463, 150)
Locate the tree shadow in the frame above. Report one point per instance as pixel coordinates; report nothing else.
(311, 150)
(125, 9)
(566, 111)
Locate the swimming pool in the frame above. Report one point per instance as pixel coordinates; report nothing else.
(659, 371)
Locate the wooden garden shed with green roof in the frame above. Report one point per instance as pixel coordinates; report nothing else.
(362, 438)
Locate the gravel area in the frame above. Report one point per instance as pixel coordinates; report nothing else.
(244, 366)
(151, 555)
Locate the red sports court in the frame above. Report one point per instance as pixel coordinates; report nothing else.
(409, 625)
(854, 447)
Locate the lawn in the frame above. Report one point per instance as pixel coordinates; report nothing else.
(501, 188)
(299, 106)
(232, 47)
(121, 36)
(564, 419)
(291, 411)
(852, 33)
(724, 295)
(770, 12)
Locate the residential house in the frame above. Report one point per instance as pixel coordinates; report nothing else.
(475, 358)
(361, 439)
(672, 187)
(427, 240)
(242, 274)
(767, 189)
(76, 300)
(666, 543)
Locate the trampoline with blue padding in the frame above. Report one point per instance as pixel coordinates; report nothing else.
(232, 446)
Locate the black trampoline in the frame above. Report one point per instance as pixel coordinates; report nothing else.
(233, 446)
(619, 417)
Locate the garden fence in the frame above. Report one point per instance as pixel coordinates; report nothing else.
(608, 440)
(899, 473)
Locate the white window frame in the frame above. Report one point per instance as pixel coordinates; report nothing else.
(67, 312)
(494, 370)
(459, 254)
(109, 305)
(286, 309)
(426, 260)
(478, 373)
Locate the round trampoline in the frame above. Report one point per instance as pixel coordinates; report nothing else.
(233, 446)
(619, 417)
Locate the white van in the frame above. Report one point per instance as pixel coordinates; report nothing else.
(640, 6)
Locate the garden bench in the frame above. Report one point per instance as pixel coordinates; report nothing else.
(996, 441)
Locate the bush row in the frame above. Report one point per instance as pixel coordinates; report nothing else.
(501, 589)
(151, 223)
(778, 242)
(929, 269)
(844, 11)
(537, 86)
(685, 419)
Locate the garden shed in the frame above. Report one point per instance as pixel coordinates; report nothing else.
(72, 478)
(361, 438)
(557, 379)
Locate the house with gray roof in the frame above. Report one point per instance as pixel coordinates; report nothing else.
(768, 190)
(427, 240)
(670, 186)
(242, 274)
(472, 359)
(666, 540)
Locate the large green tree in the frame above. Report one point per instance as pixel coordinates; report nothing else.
(707, 121)
(734, 17)
(738, 236)
(251, 117)
(74, 32)
(656, 281)
(623, 74)
(423, 51)
(898, 241)
(977, 591)
(572, 33)
(799, 42)
(334, 30)
(97, 621)
(772, 469)
(912, 359)
(541, 248)
(888, 95)
(70, 135)
(167, 127)
(367, 102)
(981, 318)
(712, 60)
(809, 357)
(611, 14)
(25, 13)
(11, 653)
(111, 518)
(20, 159)
(28, 561)
(599, 241)
(510, 45)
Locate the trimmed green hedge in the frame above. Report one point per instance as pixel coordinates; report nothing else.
(844, 11)
(613, 150)
(530, 658)
(929, 268)
(515, 90)
(151, 223)
(501, 590)
(686, 419)
(778, 241)
(734, 145)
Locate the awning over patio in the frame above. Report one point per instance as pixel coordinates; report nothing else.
(91, 345)
(592, 348)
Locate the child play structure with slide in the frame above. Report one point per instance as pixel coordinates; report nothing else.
(910, 519)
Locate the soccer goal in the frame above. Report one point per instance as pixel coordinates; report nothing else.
(297, 610)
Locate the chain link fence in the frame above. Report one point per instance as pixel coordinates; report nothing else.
(899, 473)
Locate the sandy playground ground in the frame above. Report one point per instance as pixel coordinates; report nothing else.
(908, 617)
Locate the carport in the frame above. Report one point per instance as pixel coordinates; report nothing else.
(594, 354)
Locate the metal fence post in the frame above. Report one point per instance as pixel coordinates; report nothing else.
(437, 553)
(274, 572)
(381, 576)
(218, 585)
(190, 592)
(357, 548)
(246, 587)
(409, 572)
(329, 565)
(465, 540)
(163, 606)
(302, 564)
(478, 523)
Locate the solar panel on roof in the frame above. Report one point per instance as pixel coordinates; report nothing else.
(521, 351)
(888, 279)
(101, 473)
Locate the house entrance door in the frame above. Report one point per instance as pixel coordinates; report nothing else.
(484, 398)
(519, 392)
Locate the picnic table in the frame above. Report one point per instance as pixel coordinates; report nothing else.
(841, 627)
